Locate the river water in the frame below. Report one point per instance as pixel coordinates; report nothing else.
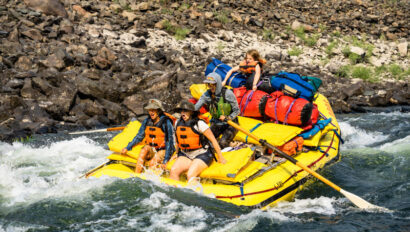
(40, 189)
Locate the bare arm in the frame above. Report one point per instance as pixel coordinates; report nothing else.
(209, 135)
(234, 69)
(257, 77)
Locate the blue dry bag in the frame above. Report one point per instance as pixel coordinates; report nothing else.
(293, 80)
(235, 80)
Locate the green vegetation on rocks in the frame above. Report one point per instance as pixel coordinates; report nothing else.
(222, 16)
(178, 31)
(295, 51)
(309, 40)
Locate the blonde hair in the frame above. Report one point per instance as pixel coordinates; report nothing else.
(256, 56)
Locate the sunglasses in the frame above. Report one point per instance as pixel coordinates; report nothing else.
(209, 85)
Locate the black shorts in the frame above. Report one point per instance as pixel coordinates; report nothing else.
(206, 157)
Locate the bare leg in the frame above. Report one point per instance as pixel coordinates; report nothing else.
(197, 166)
(158, 158)
(141, 158)
(181, 165)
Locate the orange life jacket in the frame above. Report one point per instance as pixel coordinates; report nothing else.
(154, 135)
(187, 137)
(248, 67)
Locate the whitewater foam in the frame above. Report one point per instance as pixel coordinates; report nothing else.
(284, 212)
(31, 174)
(401, 146)
(355, 137)
(167, 214)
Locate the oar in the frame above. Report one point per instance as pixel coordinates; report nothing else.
(97, 131)
(358, 201)
(94, 169)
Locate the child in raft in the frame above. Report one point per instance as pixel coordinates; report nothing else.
(251, 67)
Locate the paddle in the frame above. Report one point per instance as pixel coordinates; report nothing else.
(97, 131)
(358, 201)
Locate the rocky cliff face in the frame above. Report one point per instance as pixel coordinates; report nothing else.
(95, 63)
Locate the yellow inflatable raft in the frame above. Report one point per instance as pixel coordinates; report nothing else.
(249, 178)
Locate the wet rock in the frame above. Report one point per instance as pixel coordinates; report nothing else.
(339, 106)
(94, 122)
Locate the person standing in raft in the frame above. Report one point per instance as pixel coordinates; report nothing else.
(222, 105)
(193, 137)
(251, 67)
(158, 132)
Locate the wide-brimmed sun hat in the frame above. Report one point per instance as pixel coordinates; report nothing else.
(185, 105)
(154, 104)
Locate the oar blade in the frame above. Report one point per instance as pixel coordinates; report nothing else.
(360, 202)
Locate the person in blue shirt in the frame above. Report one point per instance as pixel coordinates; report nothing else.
(158, 132)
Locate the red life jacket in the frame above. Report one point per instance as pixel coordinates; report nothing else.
(248, 67)
(187, 137)
(154, 135)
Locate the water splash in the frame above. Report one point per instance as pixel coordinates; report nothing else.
(30, 174)
(284, 212)
(399, 146)
(358, 138)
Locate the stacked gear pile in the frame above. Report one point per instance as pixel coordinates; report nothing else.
(277, 107)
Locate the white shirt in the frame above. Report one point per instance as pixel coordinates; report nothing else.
(201, 127)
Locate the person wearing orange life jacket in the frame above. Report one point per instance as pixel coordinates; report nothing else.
(193, 136)
(157, 130)
(251, 67)
(222, 105)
